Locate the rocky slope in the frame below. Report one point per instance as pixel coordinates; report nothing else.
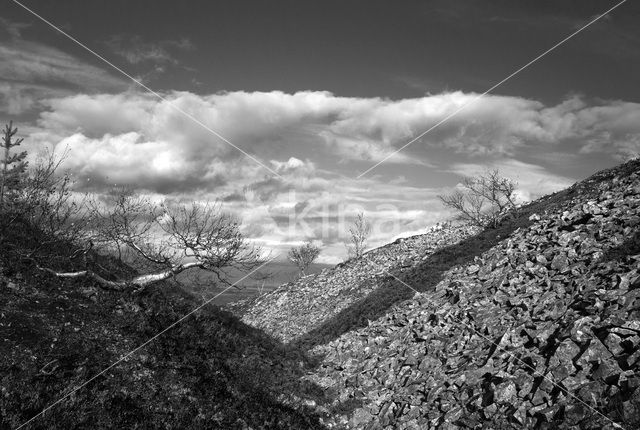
(533, 325)
(298, 308)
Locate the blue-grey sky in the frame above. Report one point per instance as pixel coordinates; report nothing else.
(319, 91)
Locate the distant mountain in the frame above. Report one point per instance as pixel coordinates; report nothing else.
(534, 324)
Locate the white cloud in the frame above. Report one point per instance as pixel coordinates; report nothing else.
(31, 72)
(314, 140)
(533, 181)
(349, 129)
(293, 165)
(352, 128)
(31, 62)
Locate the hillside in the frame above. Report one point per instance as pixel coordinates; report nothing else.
(210, 371)
(535, 324)
(350, 293)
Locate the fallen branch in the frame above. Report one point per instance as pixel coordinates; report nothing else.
(139, 282)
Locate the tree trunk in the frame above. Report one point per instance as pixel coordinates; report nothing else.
(139, 282)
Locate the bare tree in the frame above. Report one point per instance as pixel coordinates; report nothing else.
(47, 202)
(122, 222)
(160, 240)
(303, 255)
(483, 200)
(41, 199)
(164, 240)
(359, 232)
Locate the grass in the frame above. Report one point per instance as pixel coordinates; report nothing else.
(210, 371)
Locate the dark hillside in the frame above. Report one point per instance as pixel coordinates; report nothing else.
(534, 324)
(210, 371)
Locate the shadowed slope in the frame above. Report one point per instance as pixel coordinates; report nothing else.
(209, 371)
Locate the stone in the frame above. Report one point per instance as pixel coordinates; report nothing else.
(453, 414)
(549, 413)
(360, 418)
(470, 350)
(541, 259)
(506, 392)
(613, 344)
(631, 410)
(576, 412)
(560, 263)
(490, 410)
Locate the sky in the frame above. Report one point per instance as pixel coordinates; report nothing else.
(275, 109)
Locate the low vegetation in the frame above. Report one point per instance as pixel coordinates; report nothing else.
(62, 329)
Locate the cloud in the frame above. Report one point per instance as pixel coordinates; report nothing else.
(533, 181)
(135, 50)
(324, 211)
(128, 159)
(293, 165)
(609, 127)
(11, 30)
(31, 72)
(316, 141)
(256, 122)
(287, 128)
(16, 97)
(30, 62)
(150, 58)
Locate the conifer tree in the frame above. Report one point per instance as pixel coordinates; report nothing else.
(14, 166)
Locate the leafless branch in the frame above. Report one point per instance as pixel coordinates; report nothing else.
(303, 255)
(483, 200)
(359, 232)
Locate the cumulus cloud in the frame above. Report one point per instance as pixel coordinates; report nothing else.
(276, 125)
(324, 211)
(293, 165)
(128, 159)
(316, 142)
(134, 138)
